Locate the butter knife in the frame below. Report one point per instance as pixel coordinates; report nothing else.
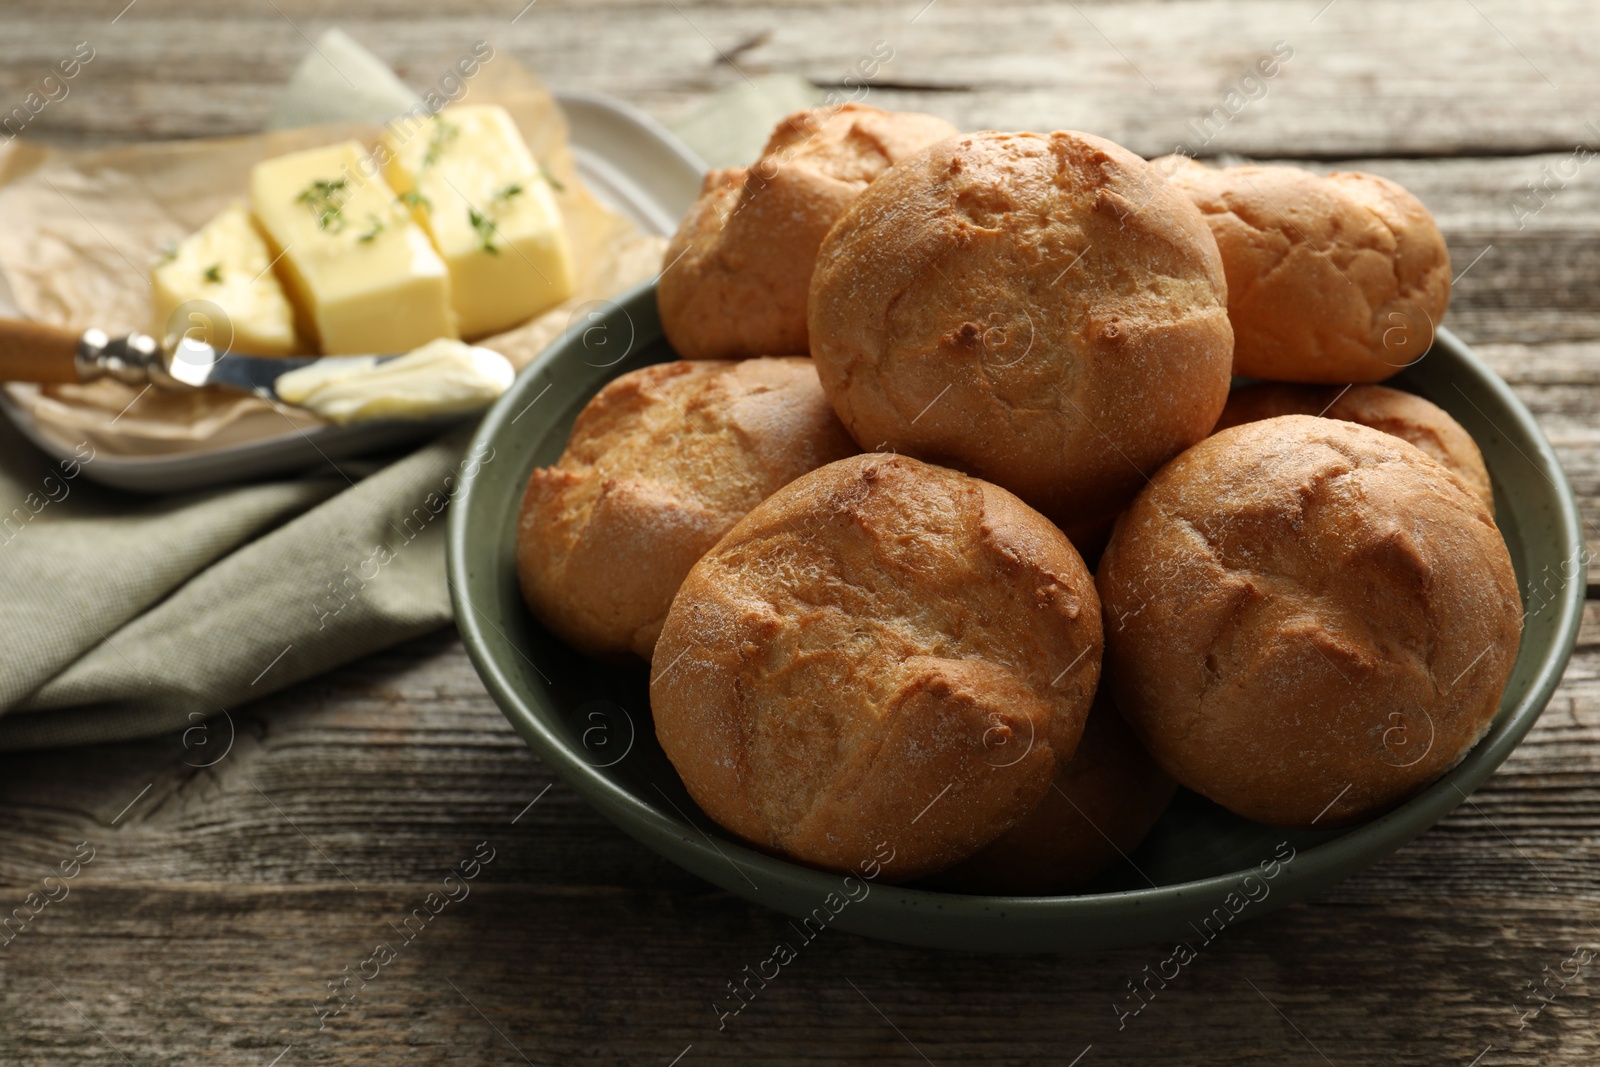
(53, 355)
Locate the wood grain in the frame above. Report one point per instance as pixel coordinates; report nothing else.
(217, 907)
(222, 899)
(1441, 77)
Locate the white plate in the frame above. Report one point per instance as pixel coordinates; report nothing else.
(630, 162)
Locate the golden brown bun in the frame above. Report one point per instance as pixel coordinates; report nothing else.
(884, 652)
(1043, 311)
(1336, 279)
(1101, 805)
(1308, 620)
(661, 463)
(736, 274)
(1405, 415)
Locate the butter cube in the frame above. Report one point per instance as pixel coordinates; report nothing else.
(470, 179)
(362, 274)
(225, 263)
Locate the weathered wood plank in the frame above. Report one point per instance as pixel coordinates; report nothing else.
(237, 975)
(1430, 77)
(208, 921)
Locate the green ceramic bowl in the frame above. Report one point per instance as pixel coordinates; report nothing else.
(1200, 869)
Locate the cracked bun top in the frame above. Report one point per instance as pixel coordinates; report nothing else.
(1337, 279)
(883, 653)
(1405, 415)
(1308, 620)
(1040, 310)
(661, 463)
(736, 274)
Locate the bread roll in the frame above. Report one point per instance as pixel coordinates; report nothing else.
(735, 276)
(1405, 415)
(1042, 311)
(1308, 620)
(661, 463)
(1103, 802)
(1337, 279)
(883, 653)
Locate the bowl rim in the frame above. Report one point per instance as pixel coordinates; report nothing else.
(1312, 868)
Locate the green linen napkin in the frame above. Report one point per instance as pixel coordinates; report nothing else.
(130, 616)
(731, 128)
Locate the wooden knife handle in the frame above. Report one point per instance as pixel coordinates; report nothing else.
(34, 352)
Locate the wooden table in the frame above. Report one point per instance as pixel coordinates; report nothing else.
(221, 902)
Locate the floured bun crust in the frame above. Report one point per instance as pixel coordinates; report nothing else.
(1308, 620)
(736, 274)
(661, 463)
(1041, 310)
(1337, 279)
(1101, 805)
(1405, 415)
(884, 652)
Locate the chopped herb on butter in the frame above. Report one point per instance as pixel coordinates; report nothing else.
(443, 133)
(551, 178)
(368, 288)
(483, 226)
(492, 215)
(227, 264)
(326, 201)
